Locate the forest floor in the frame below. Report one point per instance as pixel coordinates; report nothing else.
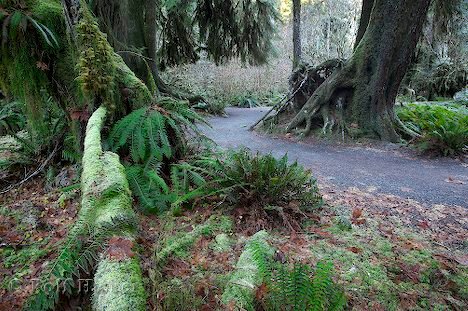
(396, 254)
(394, 225)
(381, 168)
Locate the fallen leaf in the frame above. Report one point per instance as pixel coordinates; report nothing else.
(261, 292)
(42, 66)
(357, 212)
(454, 181)
(423, 224)
(354, 249)
(120, 249)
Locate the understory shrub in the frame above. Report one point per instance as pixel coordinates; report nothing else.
(260, 281)
(443, 79)
(442, 128)
(259, 182)
(148, 139)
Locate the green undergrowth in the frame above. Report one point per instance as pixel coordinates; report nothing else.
(266, 185)
(391, 270)
(375, 266)
(188, 277)
(441, 128)
(179, 244)
(20, 258)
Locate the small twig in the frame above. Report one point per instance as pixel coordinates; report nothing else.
(36, 172)
(136, 54)
(279, 103)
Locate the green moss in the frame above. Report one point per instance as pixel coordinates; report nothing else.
(179, 244)
(118, 286)
(96, 64)
(139, 95)
(240, 290)
(221, 243)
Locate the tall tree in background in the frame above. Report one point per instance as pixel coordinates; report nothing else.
(297, 46)
(361, 96)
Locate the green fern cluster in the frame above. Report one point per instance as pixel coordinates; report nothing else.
(149, 138)
(77, 255)
(154, 132)
(12, 118)
(242, 177)
(443, 128)
(302, 288)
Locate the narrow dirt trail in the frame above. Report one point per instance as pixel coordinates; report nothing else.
(430, 181)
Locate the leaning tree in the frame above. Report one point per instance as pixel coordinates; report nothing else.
(68, 74)
(360, 97)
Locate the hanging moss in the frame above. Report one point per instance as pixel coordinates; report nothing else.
(30, 44)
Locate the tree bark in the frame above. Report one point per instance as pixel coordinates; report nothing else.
(297, 45)
(150, 35)
(364, 20)
(137, 38)
(361, 96)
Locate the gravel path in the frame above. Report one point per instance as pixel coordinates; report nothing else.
(431, 181)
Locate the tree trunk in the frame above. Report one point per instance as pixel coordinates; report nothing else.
(142, 26)
(361, 96)
(150, 34)
(364, 20)
(137, 38)
(297, 45)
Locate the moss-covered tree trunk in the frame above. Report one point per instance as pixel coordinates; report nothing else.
(361, 96)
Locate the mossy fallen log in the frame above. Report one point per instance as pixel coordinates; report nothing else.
(118, 283)
(249, 273)
(104, 234)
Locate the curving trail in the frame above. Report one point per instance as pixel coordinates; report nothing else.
(430, 181)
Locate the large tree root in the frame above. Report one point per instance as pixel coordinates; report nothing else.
(324, 97)
(343, 101)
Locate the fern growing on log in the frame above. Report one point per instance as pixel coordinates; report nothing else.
(155, 131)
(280, 286)
(151, 136)
(78, 255)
